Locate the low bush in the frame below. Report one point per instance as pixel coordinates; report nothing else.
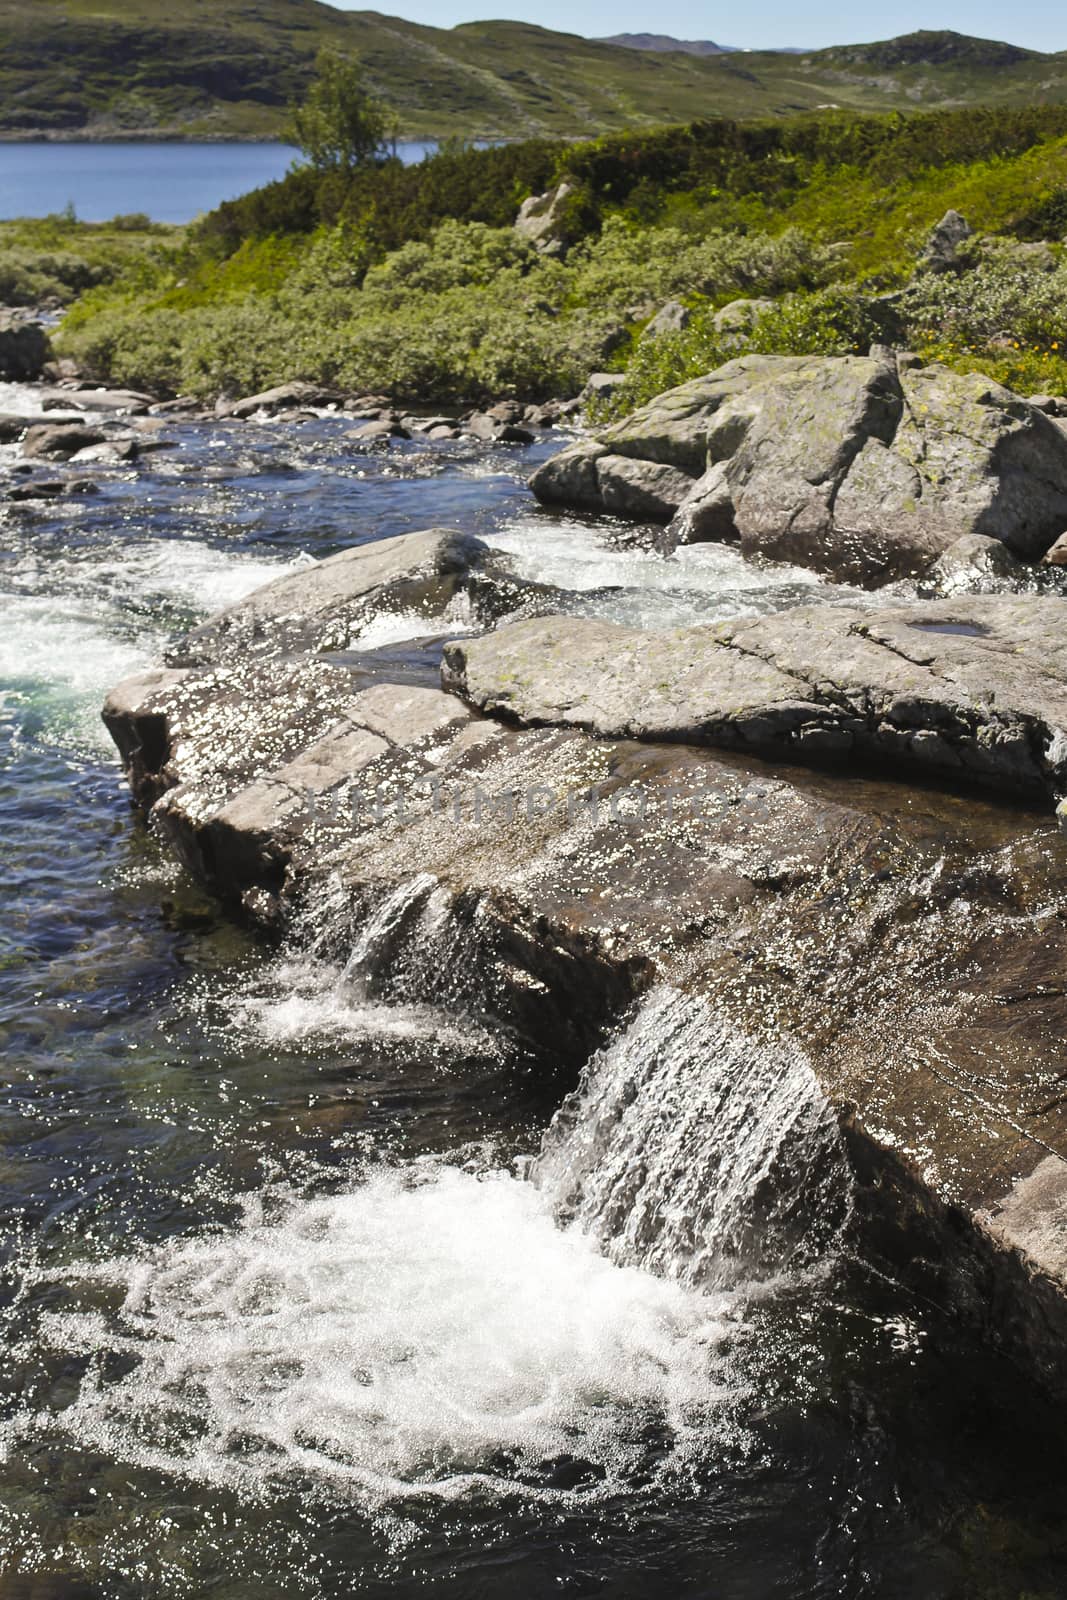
(412, 280)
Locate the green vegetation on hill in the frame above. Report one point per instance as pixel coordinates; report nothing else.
(228, 69)
(413, 281)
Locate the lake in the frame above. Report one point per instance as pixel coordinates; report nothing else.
(170, 182)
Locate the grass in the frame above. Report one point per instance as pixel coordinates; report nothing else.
(57, 258)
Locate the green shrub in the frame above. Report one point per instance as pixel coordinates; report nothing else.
(838, 321)
(1009, 295)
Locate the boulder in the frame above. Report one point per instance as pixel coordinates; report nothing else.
(60, 441)
(942, 246)
(122, 401)
(283, 398)
(383, 428)
(706, 514)
(734, 322)
(325, 605)
(851, 465)
(644, 491)
(974, 691)
(602, 385)
(495, 429)
(977, 564)
(670, 318)
(24, 348)
(542, 220)
(12, 427)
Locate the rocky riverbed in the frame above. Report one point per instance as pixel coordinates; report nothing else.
(511, 800)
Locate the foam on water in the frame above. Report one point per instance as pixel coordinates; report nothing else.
(305, 1000)
(197, 575)
(58, 659)
(430, 1332)
(447, 1331)
(20, 400)
(698, 583)
(306, 996)
(396, 627)
(75, 626)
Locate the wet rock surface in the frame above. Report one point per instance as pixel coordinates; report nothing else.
(324, 606)
(912, 943)
(971, 689)
(854, 465)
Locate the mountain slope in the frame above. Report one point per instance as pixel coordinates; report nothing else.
(227, 69)
(664, 42)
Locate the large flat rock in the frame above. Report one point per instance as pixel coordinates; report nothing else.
(973, 689)
(912, 944)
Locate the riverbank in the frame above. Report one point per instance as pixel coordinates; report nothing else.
(439, 285)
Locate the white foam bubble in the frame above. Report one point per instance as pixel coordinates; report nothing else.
(75, 626)
(698, 583)
(60, 658)
(304, 1000)
(396, 627)
(429, 1332)
(21, 400)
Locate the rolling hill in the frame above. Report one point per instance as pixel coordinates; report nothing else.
(226, 69)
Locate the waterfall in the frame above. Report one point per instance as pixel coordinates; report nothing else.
(696, 1151)
(443, 1329)
(376, 943)
(398, 969)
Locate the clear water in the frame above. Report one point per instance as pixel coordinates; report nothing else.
(167, 182)
(282, 1313)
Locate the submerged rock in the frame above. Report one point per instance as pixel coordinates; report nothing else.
(850, 465)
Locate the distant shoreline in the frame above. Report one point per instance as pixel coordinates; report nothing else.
(144, 137)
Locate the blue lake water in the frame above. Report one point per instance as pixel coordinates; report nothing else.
(169, 182)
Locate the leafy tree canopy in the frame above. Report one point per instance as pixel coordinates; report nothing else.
(340, 125)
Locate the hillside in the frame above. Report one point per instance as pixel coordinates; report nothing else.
(227, 68)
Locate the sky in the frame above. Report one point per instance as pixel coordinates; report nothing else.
(1039, 24)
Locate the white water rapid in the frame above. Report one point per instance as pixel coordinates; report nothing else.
(447, 1329)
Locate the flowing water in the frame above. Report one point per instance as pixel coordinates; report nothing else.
(299, 1297)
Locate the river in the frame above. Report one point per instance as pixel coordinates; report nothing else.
(283, 1312)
